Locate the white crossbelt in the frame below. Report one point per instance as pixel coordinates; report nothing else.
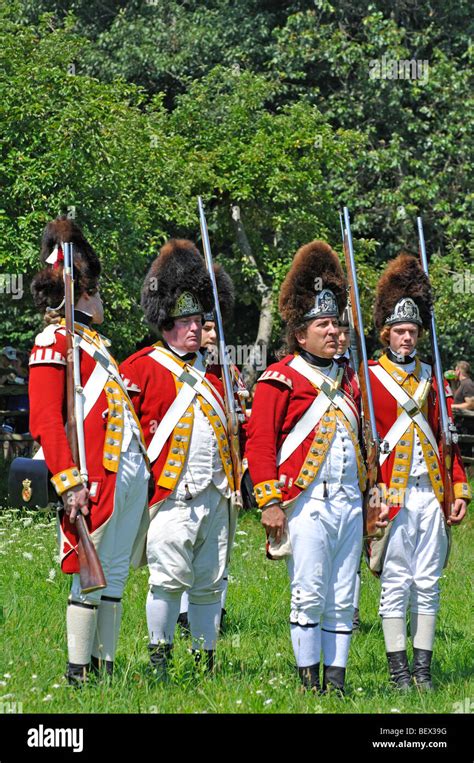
(329, 394)
(94, 386)
(103, 358)
(192, 378)
(411, 409)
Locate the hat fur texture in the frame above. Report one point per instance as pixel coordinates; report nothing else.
(312, 261)
(47, 286)
(178, 268)
(403, 277)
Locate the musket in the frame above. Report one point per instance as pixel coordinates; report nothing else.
(354, 354)
(369, 426)
(90, 569)
(446, 423)
(229, 399)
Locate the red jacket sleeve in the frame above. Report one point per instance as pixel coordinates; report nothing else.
(47, 394)
(264, 427)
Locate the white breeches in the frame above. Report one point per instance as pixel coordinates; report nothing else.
(326, 539)
(187, 546)
(415, 556)
(115, 545)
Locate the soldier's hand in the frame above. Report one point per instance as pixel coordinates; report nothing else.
(76, 500)
(458, 512)
(274, 521)
(382, 521)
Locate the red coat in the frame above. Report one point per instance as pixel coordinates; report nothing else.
(386, 413)
(281, 398)
(47, 393)
(152, 393)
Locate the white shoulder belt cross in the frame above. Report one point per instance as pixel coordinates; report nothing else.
(329, 394)
(91, 392)
(192, 378)
(411, 409)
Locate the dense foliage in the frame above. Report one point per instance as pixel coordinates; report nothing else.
(120, 113)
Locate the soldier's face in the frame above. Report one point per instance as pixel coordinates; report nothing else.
(320, 337)
(92, 305)
(403, 338)
(344, 340)
(209, 335)
(185, 334)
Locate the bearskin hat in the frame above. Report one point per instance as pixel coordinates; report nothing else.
(315, 269)
(226, 294)
(47, 286)
(178, 271)
(402, 281)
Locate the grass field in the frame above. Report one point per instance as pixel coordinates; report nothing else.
(255, 663)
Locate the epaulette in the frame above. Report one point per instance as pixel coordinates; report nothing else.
(276, 376)
(47, 337)
(46, 355)
(131, 386)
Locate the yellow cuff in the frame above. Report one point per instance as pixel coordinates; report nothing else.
(267, 491)
(66, 479)
(462, 490)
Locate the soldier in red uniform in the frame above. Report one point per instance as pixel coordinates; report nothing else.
(305, 462)
(209, 348)
(414, 549)
(114, 500)
(180, 405)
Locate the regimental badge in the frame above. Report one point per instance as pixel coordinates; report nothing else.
(405, 311)
(325, 305)
(27, 492)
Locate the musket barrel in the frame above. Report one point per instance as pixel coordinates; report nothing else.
(220, 328)
(365, 361)
(434, 340)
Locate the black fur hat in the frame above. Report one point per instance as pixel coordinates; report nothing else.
(402, 283)
(178, 273)
(47, 286)
(226, 294)
(315, 268)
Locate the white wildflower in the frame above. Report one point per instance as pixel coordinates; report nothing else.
(395, 710)
(48, 698)
(27, 555)
(7, 675)
(268, 702)
(241, 532)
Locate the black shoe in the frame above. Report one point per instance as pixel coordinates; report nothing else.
(205, 657)
(356, 620)
(183, 624)
(99, 667)
(399, 671)
(310, 678)
(76, 675)
(160, 655)
(422, 669)
(333, 679)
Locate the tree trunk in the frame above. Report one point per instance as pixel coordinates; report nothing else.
(257, 359)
